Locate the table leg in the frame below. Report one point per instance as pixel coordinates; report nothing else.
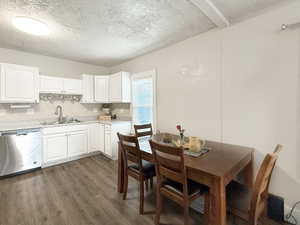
(218, 201)
(120, 170)
(248, 173)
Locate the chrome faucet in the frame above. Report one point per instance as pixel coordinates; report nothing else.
(60, 113)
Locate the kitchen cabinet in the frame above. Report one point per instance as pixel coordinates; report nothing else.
(111, 137)
(55, 147)
(72, 86)
(108, 147)
(18, 84)
(58, 85)
(101, 89)
(61, 144)
(65, 143)
(88, 89)
(77, 143)
(96, 138)
(120, 87)
(51, 85)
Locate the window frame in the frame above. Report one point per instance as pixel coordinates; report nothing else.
(143, 75)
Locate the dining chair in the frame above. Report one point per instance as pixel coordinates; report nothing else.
(172, 181)
(143, 130)
(134, 165)
(250, 203)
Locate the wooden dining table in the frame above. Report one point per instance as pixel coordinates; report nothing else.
(215, 169)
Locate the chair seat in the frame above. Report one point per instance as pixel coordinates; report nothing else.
(193, 187)
(238, 196)
(148, 168)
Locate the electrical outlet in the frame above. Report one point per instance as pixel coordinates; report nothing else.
(30, 111)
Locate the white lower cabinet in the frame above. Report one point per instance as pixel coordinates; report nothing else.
(55, 147)
(108, 148)
(77, 143)
(111, 137)
(96, 138)
(64, 143)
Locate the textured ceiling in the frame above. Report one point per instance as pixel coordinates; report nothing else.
(108, 32)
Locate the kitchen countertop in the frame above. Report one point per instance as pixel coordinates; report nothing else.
(20, 125)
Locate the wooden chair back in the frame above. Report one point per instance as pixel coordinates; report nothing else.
(261, 186)
(130, 150)
(169, 163)
(143, 130)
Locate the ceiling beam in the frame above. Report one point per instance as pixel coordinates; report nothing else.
(212, 12)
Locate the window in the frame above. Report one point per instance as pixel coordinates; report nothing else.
(143, 98)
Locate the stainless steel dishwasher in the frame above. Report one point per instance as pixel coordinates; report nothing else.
(20, 151)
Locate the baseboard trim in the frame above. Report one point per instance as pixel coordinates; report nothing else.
(73, 158)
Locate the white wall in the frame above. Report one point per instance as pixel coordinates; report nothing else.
(247, 93)
(50, 65)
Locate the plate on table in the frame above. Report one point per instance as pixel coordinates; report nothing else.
(203, 151)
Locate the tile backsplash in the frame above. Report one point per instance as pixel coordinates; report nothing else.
(46, 109)
(122, 110)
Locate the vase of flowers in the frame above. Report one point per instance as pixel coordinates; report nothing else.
(181, 133)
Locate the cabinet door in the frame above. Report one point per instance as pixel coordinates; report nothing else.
(92, 146)
(108, 147)
(72, 86)
(115, 88)
(101, 89)
(77, 143)
(88, 89)
(96, 137)
(55, 147)
(19, 83)
(51, 85)
(100, 138)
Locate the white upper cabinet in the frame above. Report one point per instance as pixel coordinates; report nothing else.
(102, 89)
(53, 85)
(19, 84)
(88, 89)
(57, 85)
(120, 87)
(72, 86)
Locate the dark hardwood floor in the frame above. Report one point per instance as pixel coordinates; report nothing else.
(82, 192)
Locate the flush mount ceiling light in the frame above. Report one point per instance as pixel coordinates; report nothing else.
(31, 26)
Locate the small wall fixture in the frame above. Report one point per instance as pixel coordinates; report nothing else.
(31, 26)
(290, 26)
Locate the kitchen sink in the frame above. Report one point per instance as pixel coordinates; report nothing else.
(63, 122)
(49, 123)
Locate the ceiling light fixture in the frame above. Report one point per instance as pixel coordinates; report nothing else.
(31, 26)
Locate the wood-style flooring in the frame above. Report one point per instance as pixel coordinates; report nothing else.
(82, 192)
